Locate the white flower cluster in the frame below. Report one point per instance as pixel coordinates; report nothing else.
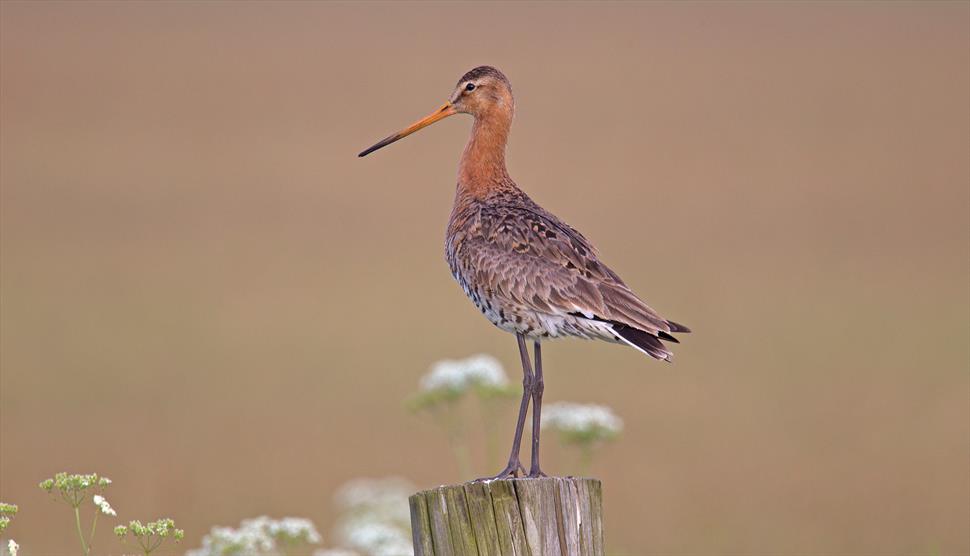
(335, 552)
(376, 519)
(260, 536)
(103, 505)
(292, 530)
(458, 376)
(375, 538)
(6, 511)
(582, 422)
(387, 497)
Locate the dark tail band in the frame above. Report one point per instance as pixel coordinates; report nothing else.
(644, 341)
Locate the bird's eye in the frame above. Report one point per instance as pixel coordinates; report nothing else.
(470, 87)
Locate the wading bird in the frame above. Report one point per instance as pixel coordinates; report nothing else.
(526, 270)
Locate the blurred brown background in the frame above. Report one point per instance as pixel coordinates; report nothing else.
(208, 298)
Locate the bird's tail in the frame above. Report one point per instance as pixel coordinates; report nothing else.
(647, 342)
(677, 327)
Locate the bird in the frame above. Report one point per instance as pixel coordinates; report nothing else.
(528, 272)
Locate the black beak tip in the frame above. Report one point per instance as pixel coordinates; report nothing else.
(372, 148)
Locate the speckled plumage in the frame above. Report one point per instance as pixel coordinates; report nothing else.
(529, 272)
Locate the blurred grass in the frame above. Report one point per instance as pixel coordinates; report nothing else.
(207, 297)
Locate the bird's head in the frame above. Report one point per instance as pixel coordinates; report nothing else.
(482, 92)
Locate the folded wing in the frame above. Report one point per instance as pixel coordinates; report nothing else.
(530, 258)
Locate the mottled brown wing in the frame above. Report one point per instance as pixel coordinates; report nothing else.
(531, 258)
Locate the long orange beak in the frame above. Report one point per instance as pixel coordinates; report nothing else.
(446, 110)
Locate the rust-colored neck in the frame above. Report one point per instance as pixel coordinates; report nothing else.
(482, 166)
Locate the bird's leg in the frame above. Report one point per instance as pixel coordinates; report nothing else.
(527, 380)
(537, 387)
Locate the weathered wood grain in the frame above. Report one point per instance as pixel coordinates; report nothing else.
(508, 521)
(482, 518)
(516, 517)
(441, 544)
(421, 526)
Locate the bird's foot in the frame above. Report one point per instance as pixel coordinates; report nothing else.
(511, 471)
(535, 473)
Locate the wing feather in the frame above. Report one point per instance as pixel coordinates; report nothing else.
(527, 256)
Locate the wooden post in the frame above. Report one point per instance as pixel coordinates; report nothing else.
(521, 517)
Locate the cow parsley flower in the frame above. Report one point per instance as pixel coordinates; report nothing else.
(444, 387)
(481, 371)
(74, 489)
(103, 505)
(335, 552)
(151, 535)
(293, 530)
(581, 423)
(226, 541)
(372, 536)
(385, 498)
(6, 511)
(260, 536)
(449, 381)
(376, 517)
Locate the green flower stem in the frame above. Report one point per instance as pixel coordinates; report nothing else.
(456, 438)
(489, 414)
(80, 534)
(94, 525)
(157, 544)
(463, 458)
